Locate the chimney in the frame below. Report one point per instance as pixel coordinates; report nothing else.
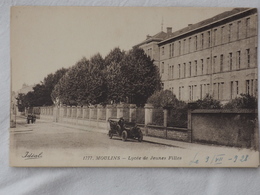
(189, 24)
(169, 30)
(148, 36)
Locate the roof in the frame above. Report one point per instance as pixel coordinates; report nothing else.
(157, 38)
(26, 88)
(208, 21)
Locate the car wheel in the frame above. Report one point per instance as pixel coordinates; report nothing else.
(140, 137)
(124, 135)
(110, 134)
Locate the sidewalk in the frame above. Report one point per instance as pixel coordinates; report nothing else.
(156, 140)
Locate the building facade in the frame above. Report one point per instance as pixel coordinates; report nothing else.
(150, 45)
(217, 56)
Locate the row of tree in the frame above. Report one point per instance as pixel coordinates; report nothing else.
(119, 77)
(41, 94)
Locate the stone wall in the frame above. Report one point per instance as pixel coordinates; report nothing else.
(97, 116)
(220, 127)
(225, 127)
(179, 134)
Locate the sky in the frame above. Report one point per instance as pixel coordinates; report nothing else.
(45, 39)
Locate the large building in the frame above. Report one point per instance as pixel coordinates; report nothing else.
(217, 56)
(150, 45)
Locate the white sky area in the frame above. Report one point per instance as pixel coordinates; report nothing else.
(45, 39)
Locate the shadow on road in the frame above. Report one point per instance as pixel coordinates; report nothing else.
(162, 144)
(145, 141)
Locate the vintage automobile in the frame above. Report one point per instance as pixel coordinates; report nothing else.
(32, 112)
(124, 129)
(31, 118)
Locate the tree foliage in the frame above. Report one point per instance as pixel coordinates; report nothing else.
(207, 103)
(163, 98)
(114, 76)
(245, 101)
(177, 110)
(21, 102)
(140, 77)
(84, 83)
(120, 77)
(41, 94)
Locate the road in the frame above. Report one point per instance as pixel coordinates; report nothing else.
(50, 144)
(44, 134)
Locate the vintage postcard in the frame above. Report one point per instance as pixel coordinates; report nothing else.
(134, 87)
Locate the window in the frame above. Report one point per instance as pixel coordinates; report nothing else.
(218, 89)
(201, 91)
(181, 89)
(221, 63)
(189, 44)
(208, 66)
(190, 68)
(208, 38)
(179, 47)
(238, 59)
(251, 87)
(192, 91)
(238, 29)
(214, 63)
(162, 50)
(229, 32)
(230, 61)
(196, 67)
(247, 27)
(247, 87)
(149, 52)
(215, 37)
(202, 66)
(215, 93)
(221, 87)
(204, 90)
(222, 34)
(232, 90)
(172, 49)
(248, 57)
(202, 40)
(184, 44)
(184, 70)
(162, 68)
(172, 71)
(207, 89)
(196, 43)
(179, 67)
(237, 88)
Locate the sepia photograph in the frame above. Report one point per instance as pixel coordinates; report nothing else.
(133, 87)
